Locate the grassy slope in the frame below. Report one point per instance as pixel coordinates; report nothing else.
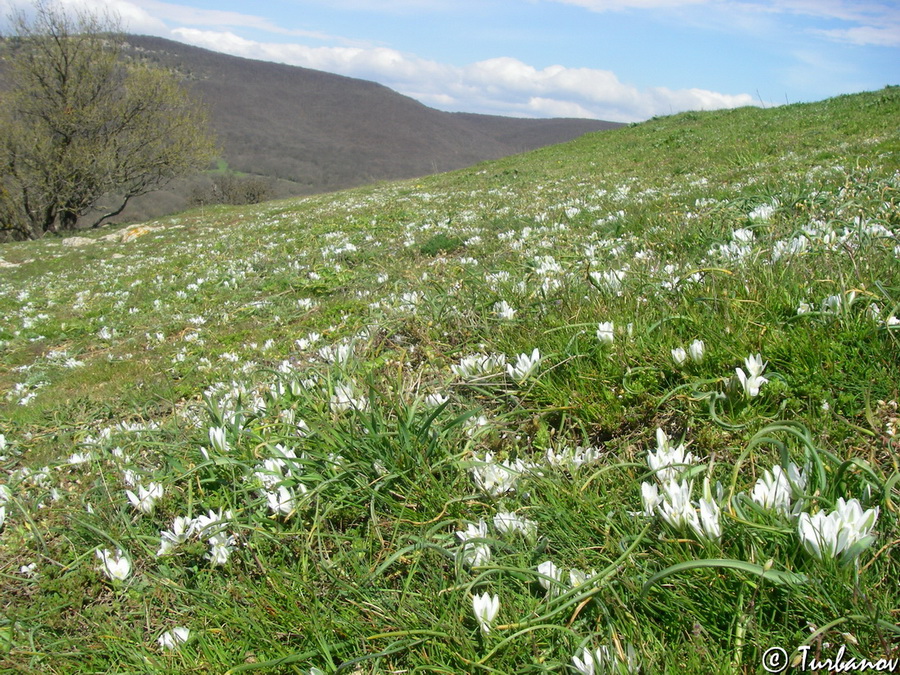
(122, 345)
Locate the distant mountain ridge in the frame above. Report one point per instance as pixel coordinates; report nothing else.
(312, 131)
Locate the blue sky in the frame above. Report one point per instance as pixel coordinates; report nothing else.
(620, 60)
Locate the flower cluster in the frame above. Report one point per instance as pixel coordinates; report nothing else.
(607, 660)
(777, 489)
(504, 311)
(475, 549)
(844, 532)
(280, 481)
(212, 527)
(695, 351)
(550, 577)
(346, 398)
(675, 504)
(498, 478)
(572, 458)
(479, 365)
(507, 522)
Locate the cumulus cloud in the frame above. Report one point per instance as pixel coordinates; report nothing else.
(497, 86)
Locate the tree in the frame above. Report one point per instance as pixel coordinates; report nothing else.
(83, 121)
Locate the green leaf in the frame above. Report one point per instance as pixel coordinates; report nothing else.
(750, 568)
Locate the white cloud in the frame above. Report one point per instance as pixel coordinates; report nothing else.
(875, 22)
(548, 107)
(868, 23)
(886, 36)
(620, 5)
(394, 6)
(192, 16)
(498, 86)
(133, 18)
(154, 17)
(840, 10)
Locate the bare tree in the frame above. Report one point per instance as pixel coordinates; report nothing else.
(82, 121)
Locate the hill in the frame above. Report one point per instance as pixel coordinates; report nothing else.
(302, 131)
(312, 131)
(623, 404)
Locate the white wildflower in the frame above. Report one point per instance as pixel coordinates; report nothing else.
(497, 478)
(507, 523)
(280, 500)
(178, 534)
(474, 551)
(710, 526)
(754, 380)
(486, 608)
(696, 350)
(525, 365)
(577, 577)
(605, 332)
(218, 440)
(776, 488)
(344, 398)
(504, 311)
(650, 498)
(220, 548)
(762, 212)
(606, 660)
(668, 462)
(146, 498)
(571, 459)
(676, 507)
(173, 639)
(476, 365)
(116, 567)
(550, 577)
(435, 400)
(834, 534)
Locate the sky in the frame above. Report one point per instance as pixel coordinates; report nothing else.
(616, 60)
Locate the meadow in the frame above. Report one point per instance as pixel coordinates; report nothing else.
(626, 404)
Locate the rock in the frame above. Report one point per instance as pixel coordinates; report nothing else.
(77, 241)
(136, 231)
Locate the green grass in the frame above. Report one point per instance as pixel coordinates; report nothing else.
(353, 313)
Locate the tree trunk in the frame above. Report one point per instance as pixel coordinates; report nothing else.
(119, 210)
(67, 220)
